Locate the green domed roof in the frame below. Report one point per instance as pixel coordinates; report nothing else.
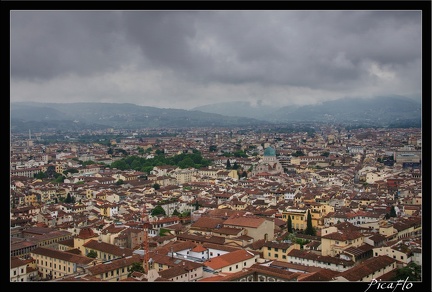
(269, 151)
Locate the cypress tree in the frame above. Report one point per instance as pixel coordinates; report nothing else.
(289, 224)
(393, 212)
(309, 228)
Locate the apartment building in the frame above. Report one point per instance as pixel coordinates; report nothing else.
(22, 270)
(53, 264)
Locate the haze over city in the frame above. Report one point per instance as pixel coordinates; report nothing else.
(184, 59)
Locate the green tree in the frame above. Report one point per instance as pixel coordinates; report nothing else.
(298, 153)
(228, 164)
(147, 169)
(59, 179)
(70, 170)
(240, 153)
(136, 165)
(88, 162)
(187, 162)
(213, 148)
(156, 186)
(289, 224)
(40, 175)
(393, 211)
(309, 228)
(158, 210)
(120, 164)
(92, 254)
(411, 272)
(185, 214)
(119, 182)
(69, 199)
(164, 232)
(50, 171)
(136, 267)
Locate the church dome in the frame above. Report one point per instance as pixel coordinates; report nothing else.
(269, 151)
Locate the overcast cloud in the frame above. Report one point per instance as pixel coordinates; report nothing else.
(184, 59)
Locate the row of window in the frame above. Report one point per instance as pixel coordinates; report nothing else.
(41, 263)
(276, 249)
(111, 273)
(21, 271)
(230, 268)
(277, 256)
(185, 275)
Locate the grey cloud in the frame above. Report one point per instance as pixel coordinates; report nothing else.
(216, 51)
(46, 44)
(163, 36)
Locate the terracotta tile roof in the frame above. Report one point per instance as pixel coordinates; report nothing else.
(256, 244)
(228, 259)
(86, 233)
(294, 267)
(207, 223)
(343, 235)
(367, 267)
(322, 275)
(201, 239)
(114, 265)
(61, 255)
(17, 262)
(217, 278)
(227, 230)
(176, 246)
(261, 269)
(173, 272)
(67, 242)
(108, 248)
(243, 221)
(199, 248)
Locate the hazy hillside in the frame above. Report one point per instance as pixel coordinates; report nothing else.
(238, 108)
(392, 111)
(73, 116)
(381, 111)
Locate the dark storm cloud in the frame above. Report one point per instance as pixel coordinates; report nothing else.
(45, 44)
(163, 36)
(205, 55)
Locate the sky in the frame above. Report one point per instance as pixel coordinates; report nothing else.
(184, 59)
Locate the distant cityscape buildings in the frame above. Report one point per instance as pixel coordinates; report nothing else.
(116, 205)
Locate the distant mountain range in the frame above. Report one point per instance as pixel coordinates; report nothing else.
(75, 116)
(380, 111)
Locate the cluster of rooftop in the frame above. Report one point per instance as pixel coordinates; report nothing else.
(360, 190)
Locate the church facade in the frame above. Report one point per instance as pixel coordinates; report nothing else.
(269, 163)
